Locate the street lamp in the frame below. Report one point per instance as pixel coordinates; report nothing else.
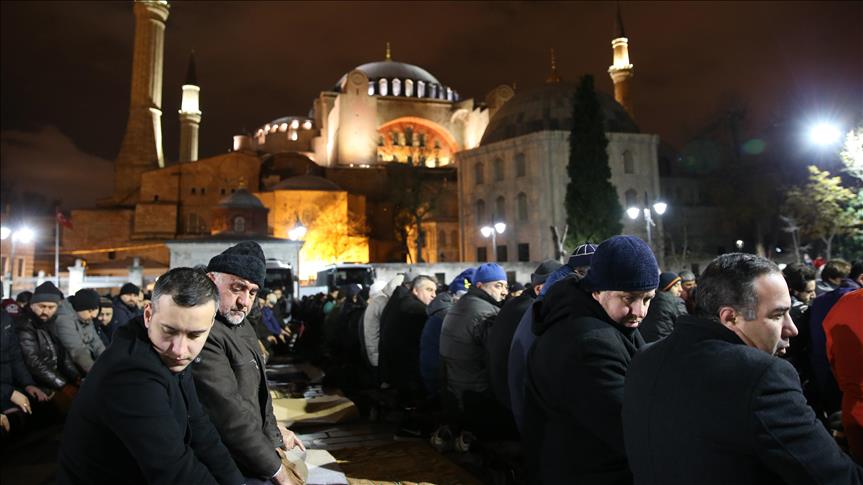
(492, 232)
(659, 207)
(824, 134)
(298, 231)
(23, 235)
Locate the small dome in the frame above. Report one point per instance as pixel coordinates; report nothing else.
(549, 107)
(306, 182)
(241, 199)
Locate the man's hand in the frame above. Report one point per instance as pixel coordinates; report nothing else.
(290, 439)
(271, 338)
(286, 476)
(36, 393)
(21, 401)
(4, 423)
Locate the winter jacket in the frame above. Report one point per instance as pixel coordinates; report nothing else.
(268, 318)
(663, 312)
(830, 398)
(463, 339)
(500, 340)
(79, 337)
(430, 341)
(232, 386)
(400, 344)
(372, 319)
(133, 421)
(575, 376)
(13, 372)
(124, 313)
(46, 359)
(703, 407)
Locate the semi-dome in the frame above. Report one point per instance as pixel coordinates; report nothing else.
(549, 107)
(306, 182)
(241, 199)
(391, 78)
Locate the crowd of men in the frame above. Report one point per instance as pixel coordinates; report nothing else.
(604, 369)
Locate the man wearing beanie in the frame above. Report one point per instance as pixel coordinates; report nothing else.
(463, 342)
(46, 358)
(126, 304)
(587, 334)
(229, 372)
(500, 335)
(664, 309)
(76, 328)
(713, 404)
(105, 326)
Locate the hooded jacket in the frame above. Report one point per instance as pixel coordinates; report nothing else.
(463, 340)
(78, 337)
(232, 386)
(372, 319)
(46, 359)
(430, 341)
(134, 421)
(575, 375)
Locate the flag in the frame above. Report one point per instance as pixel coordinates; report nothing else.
(63, 220)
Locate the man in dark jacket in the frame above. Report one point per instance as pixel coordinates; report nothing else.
(46, 359)
(500, 335)
(126, 304)
(229, 374)
(16, 384)
(137, 418)
(587, 334)
(664, 309)
(400, 341)
(711, 404)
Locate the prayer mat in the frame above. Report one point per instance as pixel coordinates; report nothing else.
(402, 462)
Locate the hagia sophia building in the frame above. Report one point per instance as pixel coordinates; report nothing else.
(346, 169)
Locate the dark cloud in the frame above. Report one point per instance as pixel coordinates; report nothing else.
(67, 64)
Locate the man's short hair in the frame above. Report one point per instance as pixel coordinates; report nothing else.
(188, 287)
(419, 279)
(729, 280)
(856, 270)
(835, 268)
(797, 275)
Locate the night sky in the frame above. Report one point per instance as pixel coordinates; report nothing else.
(66, 67)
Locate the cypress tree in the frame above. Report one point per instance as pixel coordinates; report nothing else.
(593, 210)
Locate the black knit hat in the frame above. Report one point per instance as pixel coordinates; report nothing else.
(105, 302)
(46, 292)
(542, 272)
(130, 289)
(623, 263)
(84, 299)
(245, 260)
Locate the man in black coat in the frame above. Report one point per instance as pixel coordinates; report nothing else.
(230, 375)
(137, 418)
(500, 334)
(126, 304)
(664, 309)
(711, 404)
(586, 337)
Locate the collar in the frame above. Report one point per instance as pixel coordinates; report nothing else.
(714, 328)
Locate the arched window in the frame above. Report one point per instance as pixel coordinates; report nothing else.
(382, 87)
(421, 89)
(628, 164)
(631, 198)
(521, 203)
(441, 238)
(409, 87)
(449, 94)
(520, 165)
(371, 89)
(480, 211)
(239, 224)
(499, 209)
(433, 89)
(397, 87)
(497, 166)
(479, 175)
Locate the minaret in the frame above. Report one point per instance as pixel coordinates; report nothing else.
(621, 71)
(190, 115)
(141, 149)
(553, 77)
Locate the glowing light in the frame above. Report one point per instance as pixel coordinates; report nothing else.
(190, 102)
(486, 231)
(739, 244)
(824, 134)
(5, 232)
(633, 212)
(500, 227)
(660, 207)
(298, 231)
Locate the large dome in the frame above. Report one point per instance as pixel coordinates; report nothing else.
(423, 83)
(549, 107)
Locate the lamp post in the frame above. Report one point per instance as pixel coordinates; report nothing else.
(493, 231)
(23, 234)
(659, 207)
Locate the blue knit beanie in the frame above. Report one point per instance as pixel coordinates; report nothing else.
(623, 263)
(489, 272)
(461, 282)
